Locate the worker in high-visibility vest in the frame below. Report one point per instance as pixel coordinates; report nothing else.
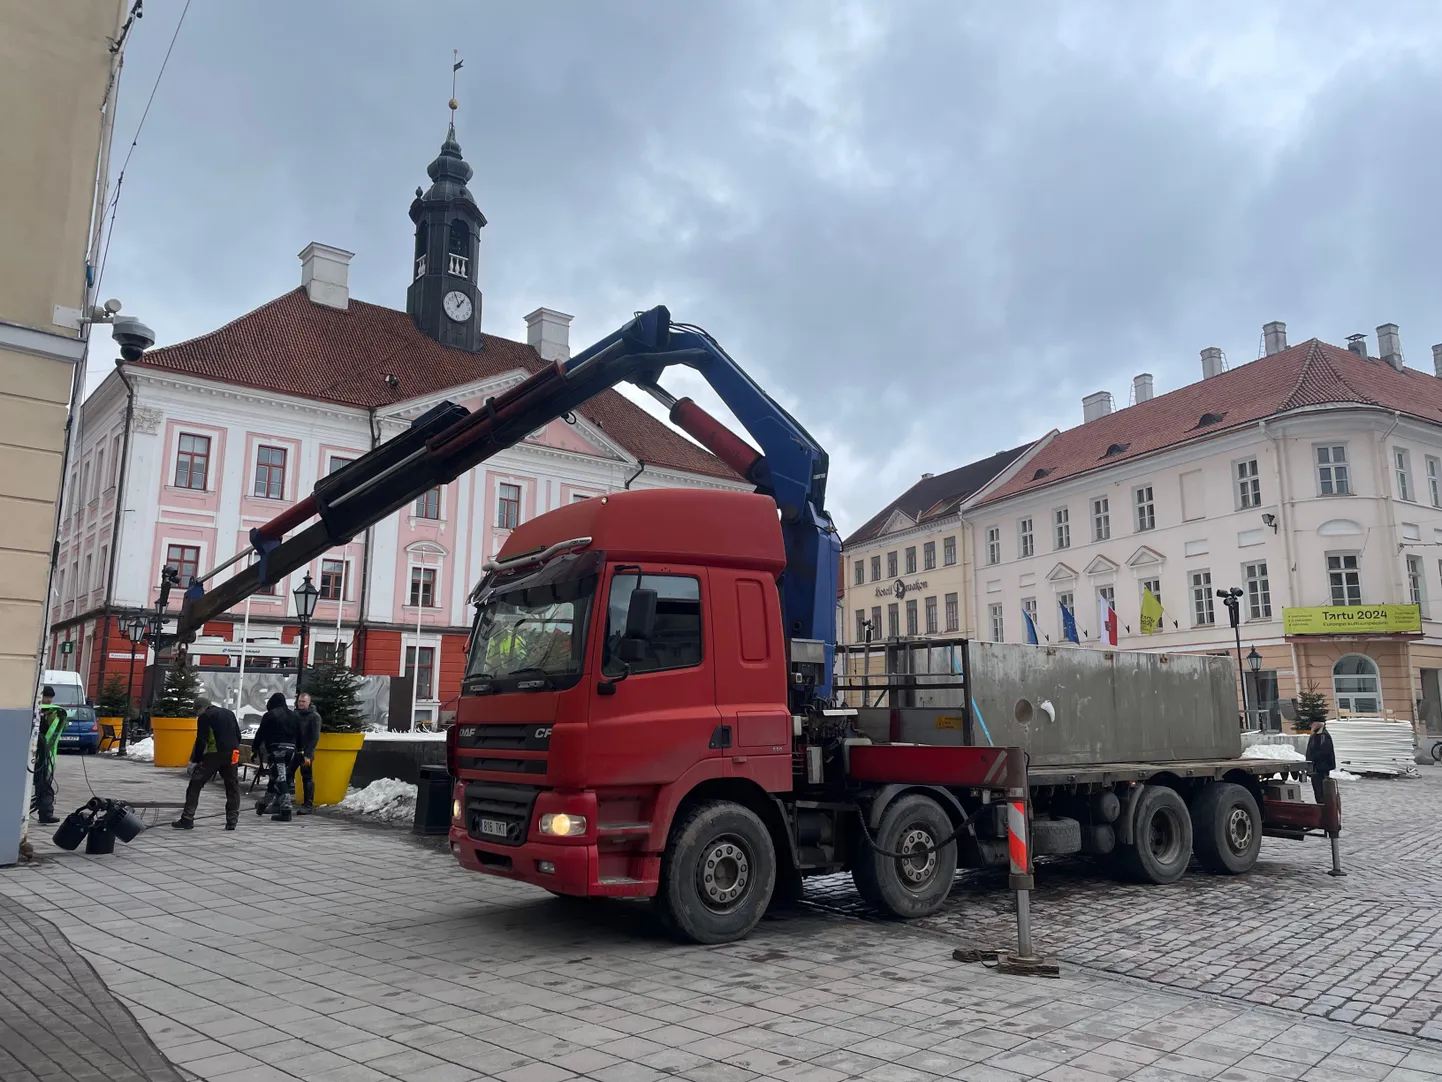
(52, 724)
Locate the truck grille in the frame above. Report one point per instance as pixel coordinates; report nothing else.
(492, 805)
(526, 737)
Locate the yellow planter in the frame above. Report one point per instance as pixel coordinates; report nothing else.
(174, 740)
(334, 760)
(114, 724)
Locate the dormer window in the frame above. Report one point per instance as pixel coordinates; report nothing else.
(1210, 419)
(1116, 449)
(1043, 472)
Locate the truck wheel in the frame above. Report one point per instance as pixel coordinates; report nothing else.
(913, 886)
(717, 874)
(1226, 828)
(1163, 837)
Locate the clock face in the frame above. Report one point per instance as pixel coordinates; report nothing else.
(457, 306)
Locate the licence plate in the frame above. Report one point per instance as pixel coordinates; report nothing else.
(495, 827)
(70, 740)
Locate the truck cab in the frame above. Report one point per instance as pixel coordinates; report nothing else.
(627, 654)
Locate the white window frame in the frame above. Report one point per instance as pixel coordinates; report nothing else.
(910, 561)
(913, 618)
(1061, 528)
(928, 555)
(1416, 582)
(1343, 571)
(1101, 519)
(1025, 537)
(1028, 606)
(953, 613)
(1065, 599)
(948, 551)
(1346, 700)
(893, 564)
(859, 577)
(996, 616)
(993, 545)
(1246, 474)
(893, 620)
(1434, 480)
(876, 568)
(1204, 604)
(1257, 582)
(1334, 473)
(931, 618)
(1155, 585)
(1402, 474)
(414, 565)
(516, 483)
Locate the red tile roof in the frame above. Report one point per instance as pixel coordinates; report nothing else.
(1311, 374)
(292, 346)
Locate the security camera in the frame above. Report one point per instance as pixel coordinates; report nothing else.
(133, 337)
(112, 306)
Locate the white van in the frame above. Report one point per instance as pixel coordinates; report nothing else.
(69, 690)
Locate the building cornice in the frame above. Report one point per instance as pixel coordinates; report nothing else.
(231, 392)
(38, 343)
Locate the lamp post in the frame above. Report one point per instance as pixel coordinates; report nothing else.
(134, 630)
(1254, 662)
(305, 598)
(1233, 600)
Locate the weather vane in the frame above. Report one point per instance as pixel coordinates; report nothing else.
(456, 66)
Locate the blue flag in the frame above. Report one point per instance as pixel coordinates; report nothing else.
(1030, 627)
(1068, 625)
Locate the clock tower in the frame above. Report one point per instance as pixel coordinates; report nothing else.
(444, 299)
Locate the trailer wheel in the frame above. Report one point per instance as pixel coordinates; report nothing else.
(1226, 828)
(1163, 837)
(717, 874)
(912, 886)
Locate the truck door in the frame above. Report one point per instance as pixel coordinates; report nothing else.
(751, 670)
(662, 718)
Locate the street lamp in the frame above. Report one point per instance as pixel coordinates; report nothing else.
(1233, 600)
(306, 596)
(134, 630)
(1254, 662)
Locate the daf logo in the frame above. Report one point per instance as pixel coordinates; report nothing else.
(899, 588)
(543, 734)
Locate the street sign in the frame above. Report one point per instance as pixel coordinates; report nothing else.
(67, 647)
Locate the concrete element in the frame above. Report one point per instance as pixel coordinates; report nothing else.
(1357, 343)
(1274, 337)
(1213, 363)
(404, 967)
(548, 332)
(1141, 387)
(1389, 345)
(1096, 405)
(395, 758)
(325, 274)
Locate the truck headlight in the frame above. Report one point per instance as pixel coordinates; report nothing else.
(562, 825)
(456, 810)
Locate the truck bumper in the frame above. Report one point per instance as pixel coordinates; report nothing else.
(564, 869)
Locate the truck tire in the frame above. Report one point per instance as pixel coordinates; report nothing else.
(1226, 828)
(1055, 837)
(1163, 832)
(717, 873)
(913, 886)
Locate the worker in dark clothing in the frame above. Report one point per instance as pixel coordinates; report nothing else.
(276, 741)
(216, 751)
(309, 738)
(47, 746)
(1323, 757)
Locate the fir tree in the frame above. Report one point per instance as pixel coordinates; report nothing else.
(1311, 706)
(114, 701)
(177, 697)
(334, 692)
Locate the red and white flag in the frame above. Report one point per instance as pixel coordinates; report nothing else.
(1107, 620)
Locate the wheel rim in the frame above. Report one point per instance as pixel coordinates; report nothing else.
(1239, 830)
(918, 867)
(1164, 836)
(724, 873)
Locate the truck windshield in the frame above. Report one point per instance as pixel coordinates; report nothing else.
(530, 630)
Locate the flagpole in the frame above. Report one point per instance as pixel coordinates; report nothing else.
(244, 638)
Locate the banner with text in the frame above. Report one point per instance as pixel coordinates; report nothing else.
(1353, 620)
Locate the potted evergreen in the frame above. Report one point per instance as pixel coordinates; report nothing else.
(172, 718)
(113, 706)
(334, 692)
(1311, 706)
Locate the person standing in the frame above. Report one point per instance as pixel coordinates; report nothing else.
(47, 746)
(310, 722)
(216, 751)
(1323, 757)
(276, 739)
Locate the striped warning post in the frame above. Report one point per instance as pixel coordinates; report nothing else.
(1016, 838)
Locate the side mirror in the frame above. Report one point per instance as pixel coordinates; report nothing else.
(640, 617)
(631, 650)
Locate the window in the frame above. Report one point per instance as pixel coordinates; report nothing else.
(953, 613)
(1204, 612)
(1066, 601)
(508, 508)
(876, 622)
(1109, 595)
(337, 463)
(82, 494)
(675, 642)
(1259, 591)
(948, 551)
(1402, 467)
(1026, 540)
(1028, 606)
(1249, 485)
(185, 559)
(931, 615)
(115, 461)
(911, 560)
(60, 584)
(928, 556)
(429, 505)
(891, 565)
(875, 568)
(1356, 685)
(1332, 476)
(332, 580)
(1061, 519)
(333, 652)
(860, 625)
(1416, 591)
(423, 587)
(85, 585)
(577, 497)
(99, 470)
(911, 625)
(1101, 519)
(270, 473)
(1344, 575)
(1434, 481)
(425, 673)
(104, 565)
(893, 621)
(993, 544)
(860, 576)
(998, 630)
(192, 462)
(1154, 585)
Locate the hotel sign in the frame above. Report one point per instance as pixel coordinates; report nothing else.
(1353, 620)
(899, 589)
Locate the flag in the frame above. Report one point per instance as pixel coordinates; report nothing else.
(1068, 625)
(1030, 627)
(1106, 620)
(1151, 613)
(458, 65)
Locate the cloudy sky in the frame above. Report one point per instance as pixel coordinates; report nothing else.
(928, 228)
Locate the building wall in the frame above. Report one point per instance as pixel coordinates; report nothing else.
(936, 582)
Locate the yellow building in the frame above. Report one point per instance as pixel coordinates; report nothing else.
(58, 74)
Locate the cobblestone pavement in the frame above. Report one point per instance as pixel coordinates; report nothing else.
(1364, 948)
(315, 950)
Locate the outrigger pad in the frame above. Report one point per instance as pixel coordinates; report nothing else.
(1026, 967)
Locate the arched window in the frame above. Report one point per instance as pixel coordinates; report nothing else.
(1356, 685)
(460, 249)
(422, 231)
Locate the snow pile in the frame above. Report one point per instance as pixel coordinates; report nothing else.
(378, 737)
(1281, 752)
(386, 799)
(142, 751)
(1345, 775)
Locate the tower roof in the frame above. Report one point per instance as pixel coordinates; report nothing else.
(449, 175)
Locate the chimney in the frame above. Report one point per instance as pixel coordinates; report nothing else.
(1274, 337)
(927, 476)
(1357, 343)
(1389, 345)
(325, 274)
(1437, 360)
(1142, 387)
(548, 332)
(1096, 405)
(1213, 363)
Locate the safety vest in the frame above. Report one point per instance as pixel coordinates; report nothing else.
(52, 724)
